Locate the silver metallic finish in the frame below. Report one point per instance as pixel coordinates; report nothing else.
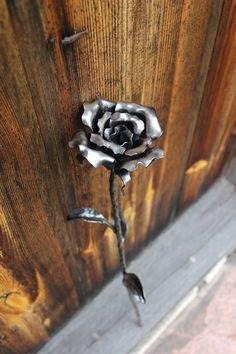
(110, 133)
(71, 39)
(138, 150)
(145, 160)
(124, 176)
(95, 157)
(127, 145)
(102, 122)
(121, 139)
(105, 104)
(89, 215)
(138, 124)
(147, 141)
(98, 140)
(153, 128)
(90, 112)
(122, 129)
(78, 139)
(134, 286)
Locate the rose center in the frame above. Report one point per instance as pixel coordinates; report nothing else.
(121, 135)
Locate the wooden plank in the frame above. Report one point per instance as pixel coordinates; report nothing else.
(196, 37)
(216, 120)
(32, 227)
(169, 268)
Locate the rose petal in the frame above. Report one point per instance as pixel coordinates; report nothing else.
(111, 134)
(96, 158)
(121, 136)
(124, 176)
(102, 121)
(138, 124)
(137, 150)
(108, 132)
(153, 154)
(98, 140)
(153, 128)
(79, 138)
(90, 112)
(147, 141)
(105, 104)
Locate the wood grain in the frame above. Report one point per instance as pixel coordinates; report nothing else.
(182, 264)
(217, 118)
(157, 53)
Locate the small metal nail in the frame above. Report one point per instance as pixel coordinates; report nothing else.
(71, 39)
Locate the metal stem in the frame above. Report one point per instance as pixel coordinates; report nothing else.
(116, 216)
(119, 237)
(135, 306)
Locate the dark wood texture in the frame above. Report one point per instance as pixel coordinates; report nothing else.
(164, 53)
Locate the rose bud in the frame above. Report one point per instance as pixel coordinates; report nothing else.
(134, 286)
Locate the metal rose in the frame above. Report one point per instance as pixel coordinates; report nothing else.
(120, 138)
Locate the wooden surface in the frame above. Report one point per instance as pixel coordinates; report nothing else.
(165, 54)
(170, 267)
(216, 124)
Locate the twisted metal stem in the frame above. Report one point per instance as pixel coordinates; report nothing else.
(135, 306)
(117, 220)
(120, 238)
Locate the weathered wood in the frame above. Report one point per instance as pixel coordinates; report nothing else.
(195, 41)
(156, 53)
(217, 118)
(169, 268)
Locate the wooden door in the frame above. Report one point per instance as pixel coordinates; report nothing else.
(177, 56)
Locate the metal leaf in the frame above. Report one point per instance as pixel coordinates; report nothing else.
(88, 215)
(134, 286)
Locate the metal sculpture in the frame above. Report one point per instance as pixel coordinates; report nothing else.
(119, 136)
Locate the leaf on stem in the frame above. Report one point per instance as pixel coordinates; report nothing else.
(134, 286)
(88, 215)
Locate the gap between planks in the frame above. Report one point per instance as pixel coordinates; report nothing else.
(170, 268)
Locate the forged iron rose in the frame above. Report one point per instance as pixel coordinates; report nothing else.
(120, 137)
